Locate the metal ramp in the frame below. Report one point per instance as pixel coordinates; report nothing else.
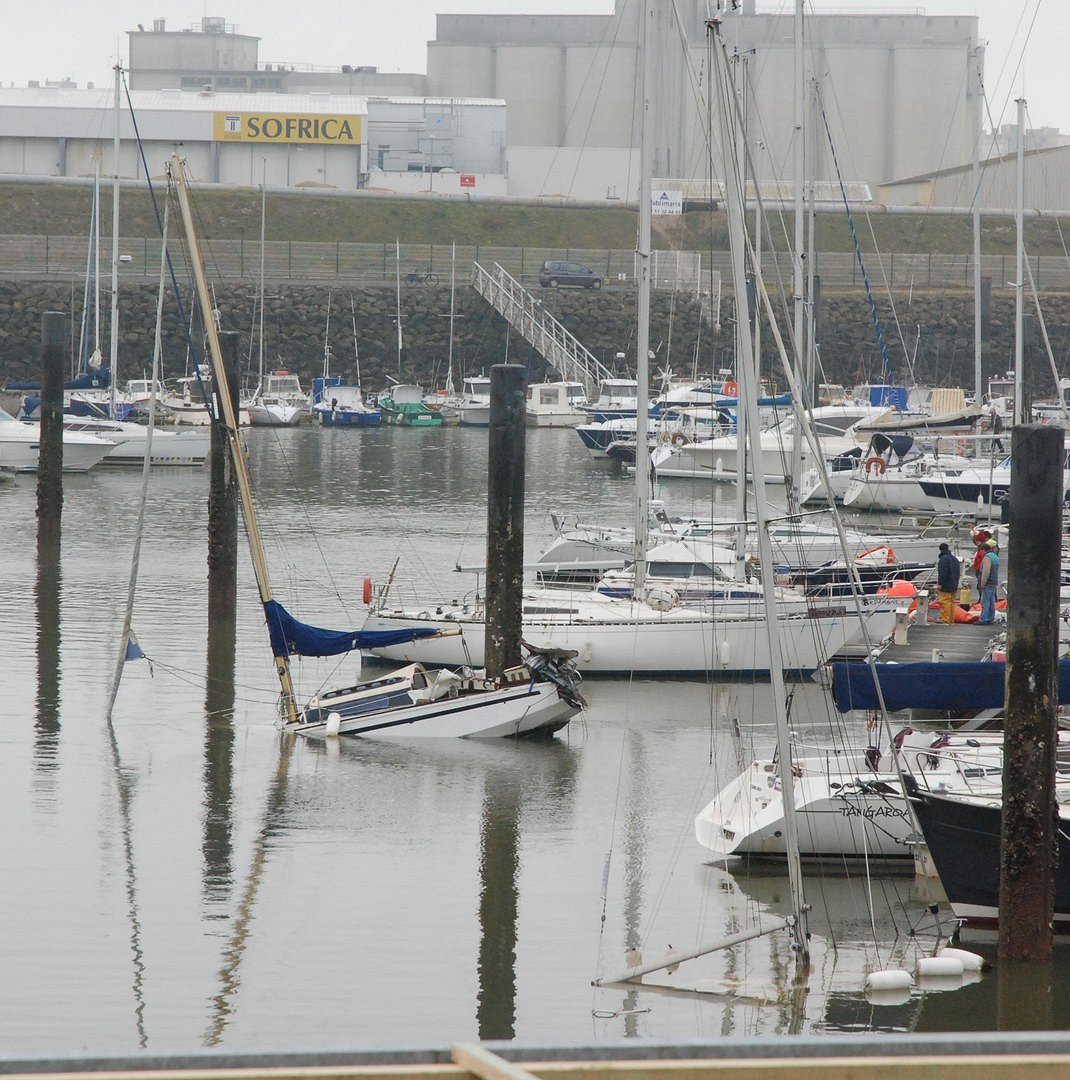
(561, 349)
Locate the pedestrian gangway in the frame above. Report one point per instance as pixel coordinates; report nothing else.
(561, 349)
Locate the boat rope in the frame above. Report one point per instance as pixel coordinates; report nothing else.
(886, 368)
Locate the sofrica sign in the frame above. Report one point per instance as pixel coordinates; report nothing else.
(287, 128)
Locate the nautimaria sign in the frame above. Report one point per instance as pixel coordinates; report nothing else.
(320, 128)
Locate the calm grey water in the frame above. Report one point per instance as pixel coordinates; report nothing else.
(184, 879)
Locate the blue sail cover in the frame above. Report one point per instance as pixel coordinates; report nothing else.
(951, 687)
(292, 638)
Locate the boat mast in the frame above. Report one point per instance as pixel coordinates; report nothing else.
(1019, 270)
(327, 340)
(978, 93)
(642, 336)
(114, 355)
(397, 291)
(234, 443)
(453, 292)
(263, 219)
(745, 373)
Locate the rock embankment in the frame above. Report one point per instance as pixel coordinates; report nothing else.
(928, 336)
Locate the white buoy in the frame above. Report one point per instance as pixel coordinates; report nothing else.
(889, 980)
(971, 961)
(939, 966)
(334, 722)
(888, 997)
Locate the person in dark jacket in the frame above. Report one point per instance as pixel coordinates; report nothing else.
(947, 581)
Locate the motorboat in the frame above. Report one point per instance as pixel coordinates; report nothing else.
(472, 407)
(342, 405)
(129, 442)
(556, 404)
(20, 444)
(403, 405)
(616, 400)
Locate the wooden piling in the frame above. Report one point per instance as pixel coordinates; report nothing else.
(1028, 849)
(223, 498)
(505, 517)
(50, 455)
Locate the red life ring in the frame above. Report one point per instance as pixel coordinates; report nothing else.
(680, 439)
(730, 389)
(368, 589)
(876, 465)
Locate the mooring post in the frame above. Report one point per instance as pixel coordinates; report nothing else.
(505, 517)
(50, 455)
(222, 498)
(1029, 829)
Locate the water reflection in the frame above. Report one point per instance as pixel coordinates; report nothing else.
(222, 1003)
(217, 843)
(47, 724)
(545, 771)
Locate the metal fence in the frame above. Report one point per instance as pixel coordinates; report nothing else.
(64, 257)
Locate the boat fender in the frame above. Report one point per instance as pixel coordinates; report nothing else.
(334, 722)
(367, 593)
(889, 980)
(585, 652)
(876, 466)
(971, 961)
(940, 966)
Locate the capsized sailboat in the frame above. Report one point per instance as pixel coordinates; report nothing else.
(537, 697)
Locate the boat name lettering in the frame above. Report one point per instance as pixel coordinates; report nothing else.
(870, 812)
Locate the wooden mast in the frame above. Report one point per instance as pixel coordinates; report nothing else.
(234, 444)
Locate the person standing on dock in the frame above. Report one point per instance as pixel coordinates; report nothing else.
(947, 581)
(988, 581)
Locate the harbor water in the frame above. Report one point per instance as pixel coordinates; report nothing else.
(188, 876)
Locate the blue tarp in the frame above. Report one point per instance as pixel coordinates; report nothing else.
(87, 380)
(292, 638)
(951, 687)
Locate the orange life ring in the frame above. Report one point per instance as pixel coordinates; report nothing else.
(730, 389)
(368, 589)
(876, 465)
(680, 439)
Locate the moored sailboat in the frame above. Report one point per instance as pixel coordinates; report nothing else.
(536, 697)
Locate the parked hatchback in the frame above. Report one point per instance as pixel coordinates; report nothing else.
(553, 273)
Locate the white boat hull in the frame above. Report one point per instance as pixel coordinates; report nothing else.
(20, 449)
(525, 709)
(262, 415)
(858, 818)
(629, 636)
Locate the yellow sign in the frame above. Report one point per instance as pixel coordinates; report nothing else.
(287, 128)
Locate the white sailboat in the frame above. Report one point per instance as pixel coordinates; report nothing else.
(536, 697)
(272, 403)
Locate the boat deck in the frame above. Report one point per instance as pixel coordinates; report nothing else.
(957, 642)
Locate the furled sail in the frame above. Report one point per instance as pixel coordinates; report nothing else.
(289, 637)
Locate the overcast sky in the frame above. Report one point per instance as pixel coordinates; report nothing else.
(79, 39)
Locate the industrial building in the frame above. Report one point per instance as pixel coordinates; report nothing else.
(288, 140)
(896, 88)
(1046, 181)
